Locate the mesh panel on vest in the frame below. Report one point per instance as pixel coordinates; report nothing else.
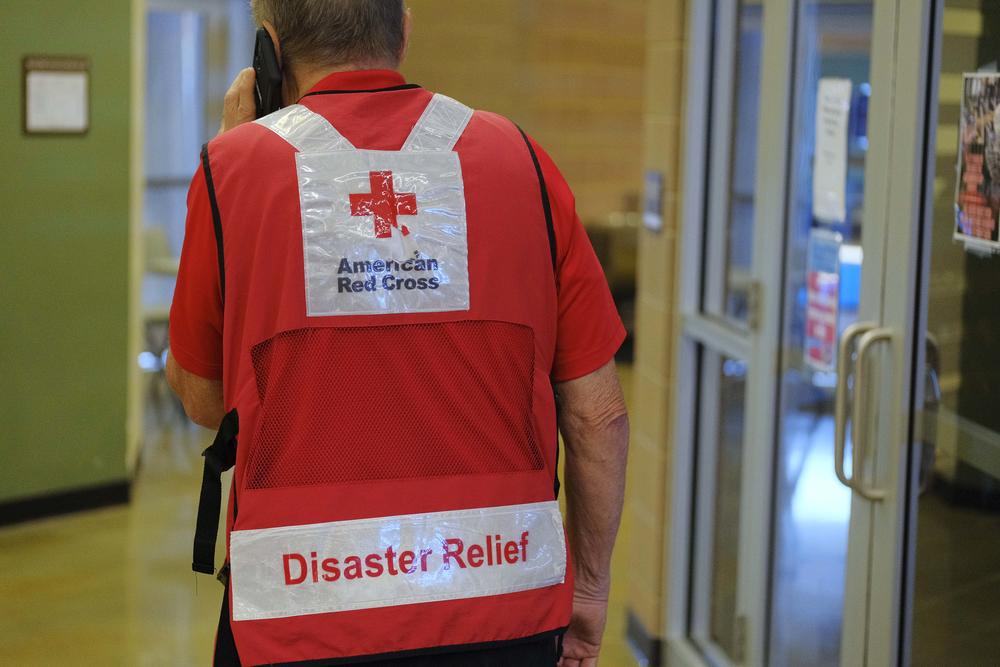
(377, 403)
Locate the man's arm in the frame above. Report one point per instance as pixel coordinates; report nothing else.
(594, 424)
(196, 316)
(202, 398)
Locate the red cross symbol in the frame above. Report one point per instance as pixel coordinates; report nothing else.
(385, 204)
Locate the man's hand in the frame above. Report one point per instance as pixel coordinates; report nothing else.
(582, 642)
(240, 105)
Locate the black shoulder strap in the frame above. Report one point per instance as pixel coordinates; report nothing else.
(216, 218)
(551, 229)
(546, 204)
(219, 458)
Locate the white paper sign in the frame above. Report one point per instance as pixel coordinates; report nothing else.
(57, 102)
(833, 108)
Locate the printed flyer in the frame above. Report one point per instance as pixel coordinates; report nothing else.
(977, 200)
(823, 300)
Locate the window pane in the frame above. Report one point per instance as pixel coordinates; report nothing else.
(725, 548)
(821, 294)
(956, 616)
(720, 456)
(730, 207)
(739, 237)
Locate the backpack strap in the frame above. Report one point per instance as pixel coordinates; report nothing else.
(219, 458)
(305, 130)
(440, 126)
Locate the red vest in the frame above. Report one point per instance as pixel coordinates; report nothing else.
(389, 335)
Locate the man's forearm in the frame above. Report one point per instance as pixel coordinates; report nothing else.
(595, 491)
(596, 433)
(202, 398)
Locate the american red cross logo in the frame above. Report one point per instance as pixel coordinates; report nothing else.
(384, 204)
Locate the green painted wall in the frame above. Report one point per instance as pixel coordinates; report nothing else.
(64, 228)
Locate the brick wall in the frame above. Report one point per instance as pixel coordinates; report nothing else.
(649, 466)
(570, 72)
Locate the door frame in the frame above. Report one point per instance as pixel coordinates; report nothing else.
(883, 587)
(699, 329)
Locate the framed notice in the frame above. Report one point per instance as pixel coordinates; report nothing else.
(56, 95)
(823, 300)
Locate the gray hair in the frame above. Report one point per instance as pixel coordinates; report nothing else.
(335, 32)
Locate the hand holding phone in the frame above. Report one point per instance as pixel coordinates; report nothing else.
(267, 90)
(238, 106)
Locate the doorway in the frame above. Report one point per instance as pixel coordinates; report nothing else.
(193, 51)
(838, 455)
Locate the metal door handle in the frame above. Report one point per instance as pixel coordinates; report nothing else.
(840, 410)
(861, 404)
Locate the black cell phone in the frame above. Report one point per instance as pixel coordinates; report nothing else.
(265, 63)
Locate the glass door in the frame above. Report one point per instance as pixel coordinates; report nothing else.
(851, 197)
(953, 593)
(830, 293)
(790, 271)
(928, 544)
(953, 596)
(793, 359)
(719, 326)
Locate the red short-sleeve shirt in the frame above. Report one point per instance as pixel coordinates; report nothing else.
(589, 329)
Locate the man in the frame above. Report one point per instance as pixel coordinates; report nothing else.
(379, 291)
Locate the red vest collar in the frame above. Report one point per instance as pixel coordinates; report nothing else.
(358, 81)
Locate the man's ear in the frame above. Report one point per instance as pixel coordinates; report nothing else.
(407, 27)
(267, 25)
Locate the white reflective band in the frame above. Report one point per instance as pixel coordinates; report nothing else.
(306, 130)
(383, 233)
(440, 127)
(399, 560)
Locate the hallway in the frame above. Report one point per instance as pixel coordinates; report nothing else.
(114, 586)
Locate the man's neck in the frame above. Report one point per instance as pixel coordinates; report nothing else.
(305, 79)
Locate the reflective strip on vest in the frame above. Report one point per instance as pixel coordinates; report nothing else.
(305, 130)
(440, 126)
(384, 232)
(397, 560)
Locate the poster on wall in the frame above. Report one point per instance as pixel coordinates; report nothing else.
(833, 115)
(977, 200)
(823, 300)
